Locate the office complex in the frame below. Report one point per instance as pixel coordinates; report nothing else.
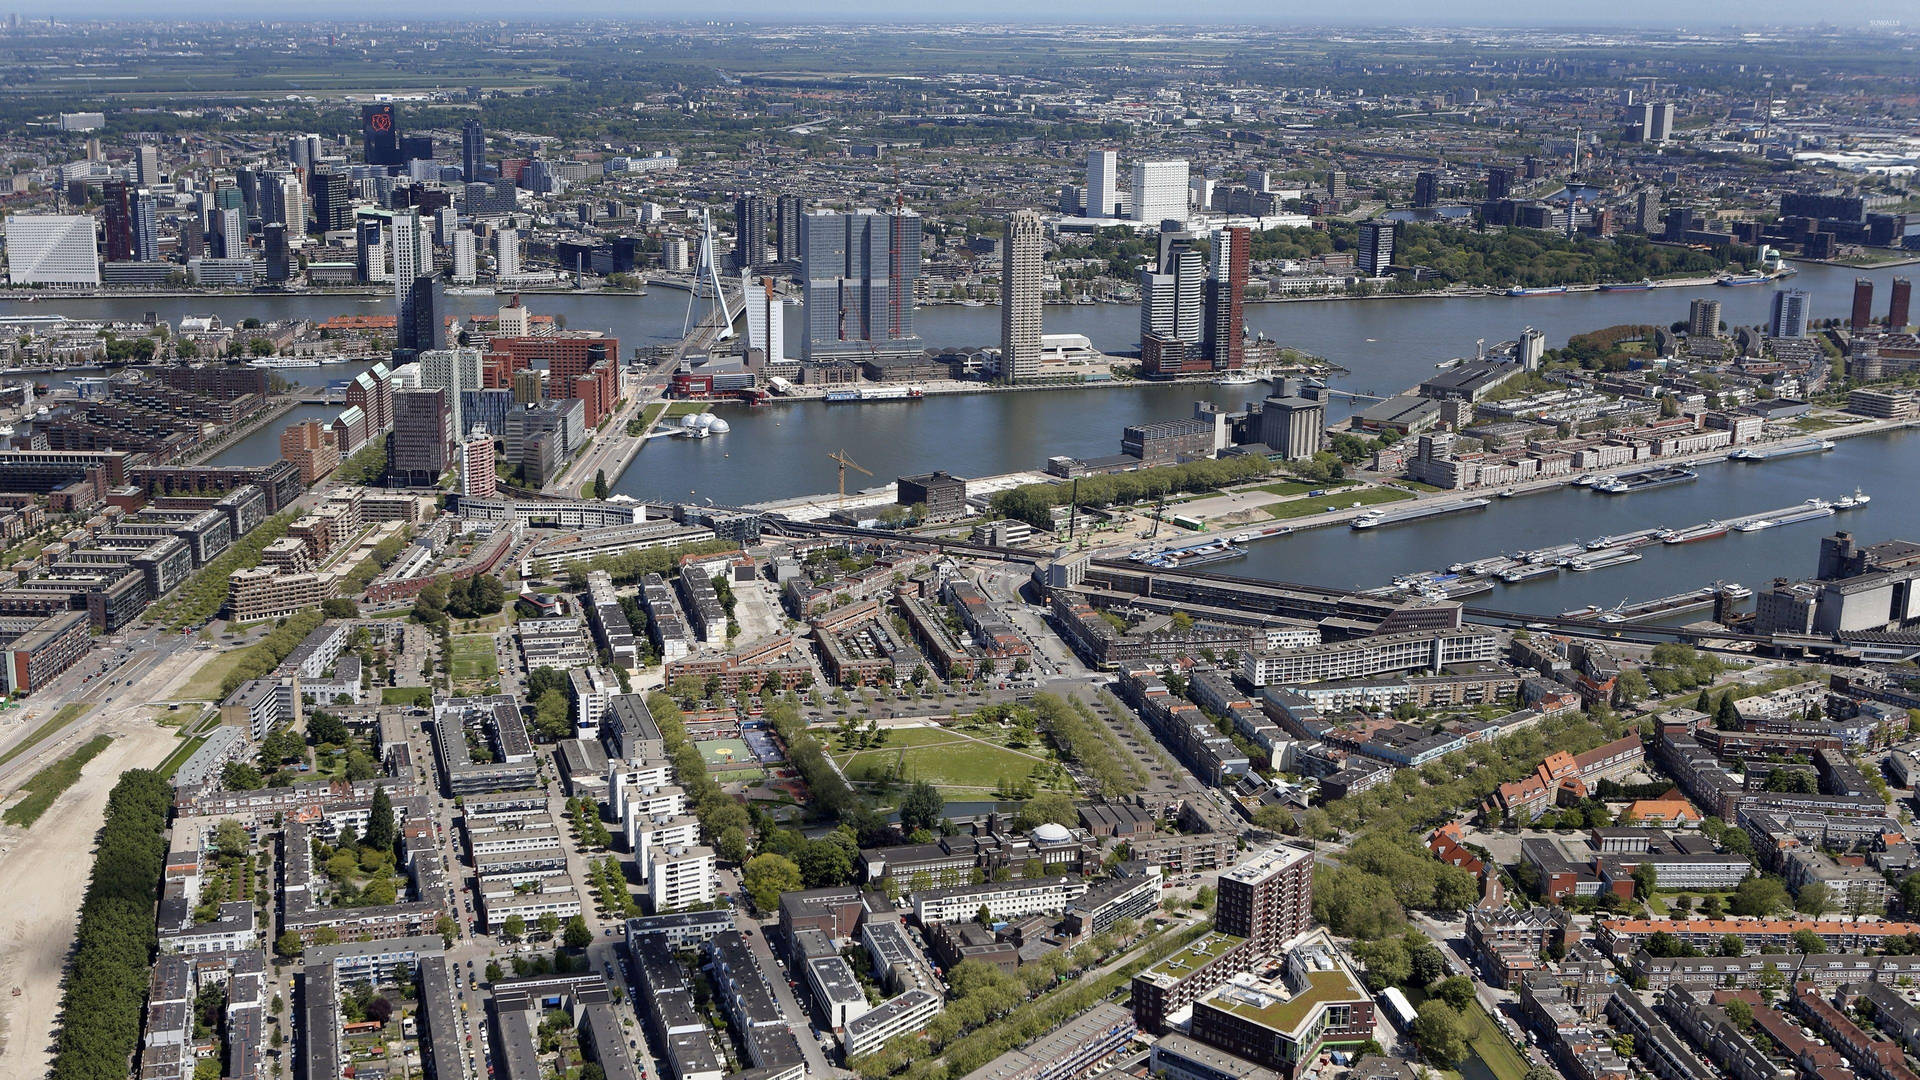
(1376, 247)
(1499, 182)
(380, 134)
(750, 231)
(1172, 308)
(1159, 191)
(1103, 184)
(416, 288)
(332, 207)
(1656, 121)
(52, 249)
(146, 227)
(766, 322)
(1426, 190)
(116, 221)
(858, 272)
(1899, 303)
(422, 428)
(1020, 251)
(1789, 317)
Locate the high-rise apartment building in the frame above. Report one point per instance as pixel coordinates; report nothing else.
(1426, 190)
(116, 220)
(1376, 247)
(146, 226)
(422, 430)
(1160, 191)
(477, 477)
(1646, 211)
(52, 249)
(465, 269)
(1862, 315)
(1173, 308)
(786, 226)
(332, 206)
(416, 288)
(1224, 342)
(1899, 303)
(1703, 318)
(310, 445)
(473, 150)
(1499, 181)
(304, 151)
(1267, 899)
(1656, 121)
(1103, 184)
(231, 227)
(1337, 183)
(1020, 252)
(380, 135)
(858, 272)
(1789, 317)
(455, 371)
(766, 318)
(506, 253)
(750, 231)
(146, 166)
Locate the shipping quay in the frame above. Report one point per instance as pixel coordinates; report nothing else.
(1475, 576)
(1636, 611)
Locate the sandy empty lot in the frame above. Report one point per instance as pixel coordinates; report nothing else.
(43, 874)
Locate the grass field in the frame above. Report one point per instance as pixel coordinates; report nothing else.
(949, 760)
(1308, 507)
(1492, 1046)
(687, 408)
(473, 658)
(205, 684)
(400, 695)
(1286, 488)
(46, 785)
(68, 714)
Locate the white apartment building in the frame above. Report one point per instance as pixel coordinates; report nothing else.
(1364, 657)
(681, 877)
(1159, 191)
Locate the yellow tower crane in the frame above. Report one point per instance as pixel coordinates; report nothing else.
(845, 463)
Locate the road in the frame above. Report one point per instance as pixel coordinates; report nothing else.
(99, 678)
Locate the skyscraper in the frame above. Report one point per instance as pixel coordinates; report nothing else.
(477, 477)
(858, 272)
(146, 226)
(1225, 341)
(116, 220)
(304, 152)
(1899, 301)
(332, 208)
(1160, 191)
(380, 135)
(416, 288)
(273, 239)
(1789, 318)
(1862, 304)
(1426, 190)
(1020, 251)
(766, 317)
(750, 231)
(1499, 181)
(1646, 211)
(465, 270)
(506, 253)
(146, 166)
(786, 226)
(473, 150)
(422, 428)
(452, 370)
(1337, 183)
(1656, 121)
(1173, 309)
(1103, 184)
(1376, 247)
(1703, 318)
(232, 230)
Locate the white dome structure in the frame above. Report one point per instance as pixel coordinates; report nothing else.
(1052, 832)
(719, 426)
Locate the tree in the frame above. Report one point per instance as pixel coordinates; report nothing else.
(1387, 960)
(447, 929)
(1806, 941)
(230, 841)
(1047, 806)
(550, 715)
(324, 727)
(1815, 898)
(549, 924)
(1724, 716)
(1426, 963)
(922, 808)
(1759, 896)
(240, 776)
(1703, 704)
(514, 929)
(1739, 1013)
(825, 862)
(339, 607)
(1456, 991)
(577, 935)
(731, 844)
(1441, 1033)
(600, 484)
(380, 829)
(289, 944)
(1646, 877)
(1732, 945)
(768, 876)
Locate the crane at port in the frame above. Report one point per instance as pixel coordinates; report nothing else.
(845, 463)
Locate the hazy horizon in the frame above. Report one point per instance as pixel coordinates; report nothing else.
(1491, 13)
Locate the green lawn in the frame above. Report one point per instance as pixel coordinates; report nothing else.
(954, 762)
(1287, 488)
(473, 658)
(205, 684)
(1492, 1046)
(687, 408)
(68, 714)
(1300, 508)
(400, 695)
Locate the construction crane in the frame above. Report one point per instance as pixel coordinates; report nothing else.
(845, 464)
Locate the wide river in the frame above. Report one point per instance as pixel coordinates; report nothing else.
(1387, 345)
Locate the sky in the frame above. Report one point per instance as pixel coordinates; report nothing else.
(1703, 14)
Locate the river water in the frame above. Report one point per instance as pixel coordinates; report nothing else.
(1387, 345)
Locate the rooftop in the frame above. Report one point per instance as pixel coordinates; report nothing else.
(1287, 1014)
(1194, 957)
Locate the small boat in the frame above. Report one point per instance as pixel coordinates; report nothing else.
(1731, 280)
(1238, 378)
(1733, 590)
(1849, 502)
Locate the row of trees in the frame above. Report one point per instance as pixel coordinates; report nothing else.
(259, 659)
(1033, 503)
(106, 985)
(1080, 737)
(723, 821)
(204, 593)
(628, 567)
